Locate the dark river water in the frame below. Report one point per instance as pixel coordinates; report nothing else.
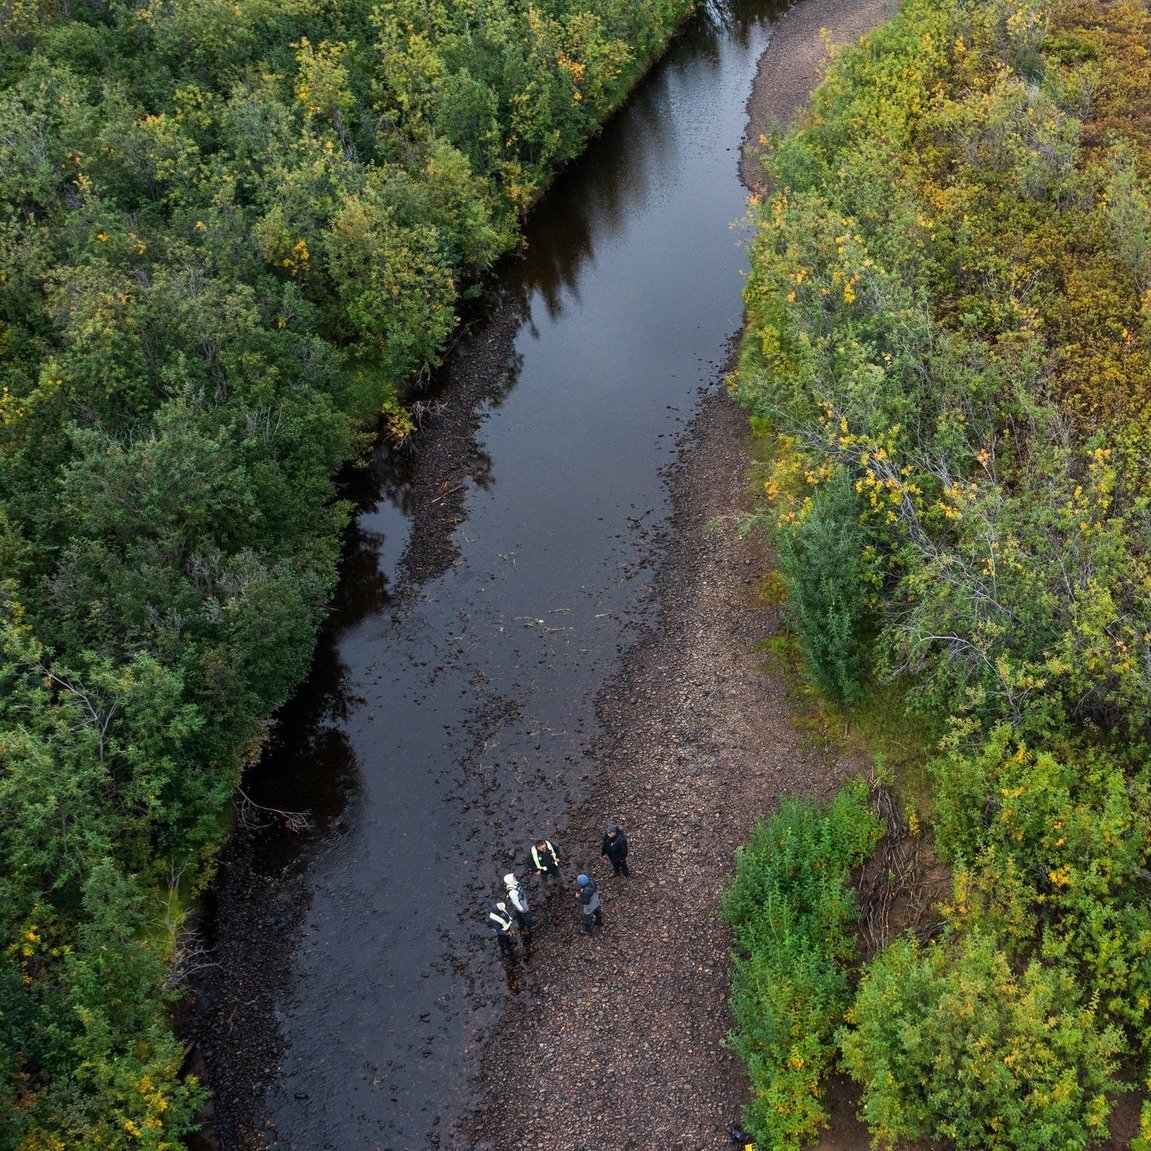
(445, 728)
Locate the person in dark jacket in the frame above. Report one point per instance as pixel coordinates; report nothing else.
(546, 861)
(615, 848)
(588, 895)
(500, 920)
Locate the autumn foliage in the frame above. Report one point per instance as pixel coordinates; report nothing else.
(949, 312)
(232, 232)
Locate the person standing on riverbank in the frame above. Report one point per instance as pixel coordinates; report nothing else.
(588, 895)
(500, 920)
(615, 848)
(517, 900)
(547, 861)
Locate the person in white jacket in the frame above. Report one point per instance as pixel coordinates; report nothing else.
(517, 899)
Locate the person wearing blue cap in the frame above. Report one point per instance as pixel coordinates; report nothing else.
(588, 896)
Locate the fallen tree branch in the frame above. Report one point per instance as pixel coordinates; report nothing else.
(253, 816)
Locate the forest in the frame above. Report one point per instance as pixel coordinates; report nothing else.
(233, 238)
(948, 353)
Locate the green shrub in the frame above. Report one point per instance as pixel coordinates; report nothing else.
(954, 1043)
(791, 911)
(821, 556)
(1056, 844)
(948, 302)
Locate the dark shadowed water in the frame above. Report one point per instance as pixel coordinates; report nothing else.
(446, 727)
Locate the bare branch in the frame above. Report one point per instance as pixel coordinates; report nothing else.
(187, 951)
(255, 816)
(99, 718)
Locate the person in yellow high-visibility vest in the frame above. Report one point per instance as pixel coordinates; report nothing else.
(500, 920)
(546, 860)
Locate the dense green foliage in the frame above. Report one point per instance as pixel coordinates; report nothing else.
(792, 911)
(230, 230)
(1050, 850)
(963, 1047)
(950, 310)
(821, 556)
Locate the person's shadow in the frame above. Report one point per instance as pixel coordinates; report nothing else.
(511, 966)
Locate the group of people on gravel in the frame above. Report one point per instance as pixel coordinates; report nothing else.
(512, 912)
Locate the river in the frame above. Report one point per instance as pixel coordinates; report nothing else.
(450, 717)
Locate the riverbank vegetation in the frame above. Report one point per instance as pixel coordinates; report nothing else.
(230, 233)
(792, 913)
(949, 341)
